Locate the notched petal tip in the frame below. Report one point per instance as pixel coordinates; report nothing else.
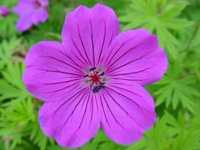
(102, 7)
(81, 7)
(165, 63)
(104, 10)
(132, 104)
(79, 11)
(143, 58)
(70, 125)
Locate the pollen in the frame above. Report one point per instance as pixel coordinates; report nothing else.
(95, 79)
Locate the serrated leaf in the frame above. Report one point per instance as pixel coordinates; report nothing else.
(160, 17)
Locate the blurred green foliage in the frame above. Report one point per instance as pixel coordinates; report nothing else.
(177, 95)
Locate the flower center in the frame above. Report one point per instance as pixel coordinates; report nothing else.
(95, 79)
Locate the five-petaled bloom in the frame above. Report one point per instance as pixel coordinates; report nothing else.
(4, 11)
(30, 12)
(94, 79)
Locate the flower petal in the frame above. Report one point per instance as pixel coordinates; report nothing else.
(136, 56)
(127, 110)
(44, 2)
(72, 122)
(89, 32)
(39, 16)
(49, 72)
(23, 7)
(23, 24)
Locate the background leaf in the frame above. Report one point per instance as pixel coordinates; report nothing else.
(177, 95)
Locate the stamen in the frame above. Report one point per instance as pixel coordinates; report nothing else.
(93, 68)
(95, 79)
(98, 88)
(101, 74)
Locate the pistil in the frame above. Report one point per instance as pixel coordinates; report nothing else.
(95, 79)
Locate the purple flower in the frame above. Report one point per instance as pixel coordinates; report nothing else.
(94, 79)
(4, 11)
(30, 12)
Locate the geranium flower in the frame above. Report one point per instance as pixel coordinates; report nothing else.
(93, 79)
(4, 11)
(30, 12)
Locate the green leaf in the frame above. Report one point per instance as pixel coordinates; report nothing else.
(7, 49)
(11, 85)
(160, 17)
(177, 88)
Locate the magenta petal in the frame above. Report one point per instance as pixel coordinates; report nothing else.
(23, 8)
(49, 73)
(136, 57)
(23, 24)
(39, 16)
(127, 111)
(89, 32)
(44, 3)
(73, 121)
